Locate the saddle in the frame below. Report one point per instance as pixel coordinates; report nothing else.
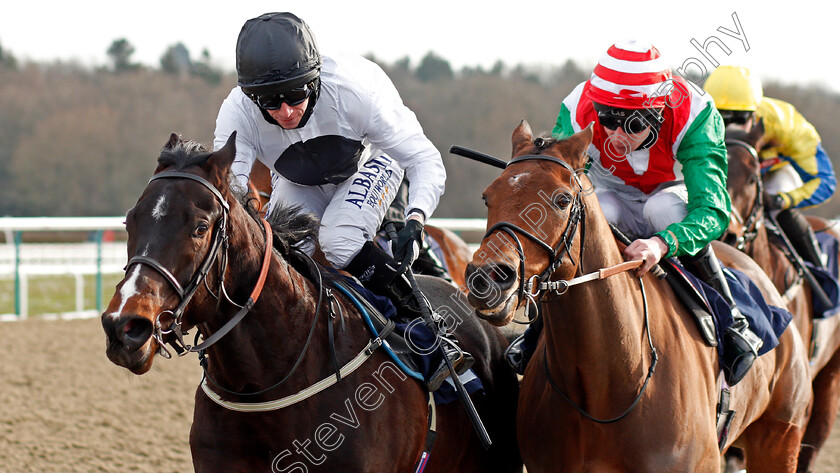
(711, 312)
(691, 298)
(384, 324)
(381, 326)
(686, 292)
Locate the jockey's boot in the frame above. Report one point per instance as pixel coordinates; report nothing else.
(740, 344)
(520, 351)
(377, 271)
(801, 236)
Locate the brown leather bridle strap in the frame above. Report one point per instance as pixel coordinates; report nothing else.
(252, 299)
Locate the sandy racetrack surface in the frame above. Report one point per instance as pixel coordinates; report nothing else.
(65, 408)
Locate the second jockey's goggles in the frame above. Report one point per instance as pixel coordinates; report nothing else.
(735, 117)
(632, 121)
(274, 101)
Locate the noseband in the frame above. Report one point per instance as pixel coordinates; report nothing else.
(173, 333)
(752, 221)
(532, 288)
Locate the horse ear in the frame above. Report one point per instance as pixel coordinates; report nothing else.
(579, 142)
(522, 137)
(174, 140)
(222, 159)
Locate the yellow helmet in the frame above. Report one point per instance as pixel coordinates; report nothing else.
(734, 88)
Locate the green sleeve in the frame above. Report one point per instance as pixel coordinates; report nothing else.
(563, 129)
(702, 154)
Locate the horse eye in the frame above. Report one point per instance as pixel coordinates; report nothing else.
(201, 229)
(563, 200)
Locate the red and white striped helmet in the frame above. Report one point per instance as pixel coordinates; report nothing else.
(631, 75)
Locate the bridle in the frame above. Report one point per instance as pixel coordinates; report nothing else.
(532, 288)
(173, 333)
(751, 224)
(537, 284)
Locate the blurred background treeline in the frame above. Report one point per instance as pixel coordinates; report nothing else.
(83, 141)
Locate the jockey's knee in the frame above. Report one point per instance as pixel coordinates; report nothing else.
(664, 209)
(340, 244)
(610, 206)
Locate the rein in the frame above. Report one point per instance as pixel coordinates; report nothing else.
(753, 220)
(174, 334)
(533, 288)
(654, 357)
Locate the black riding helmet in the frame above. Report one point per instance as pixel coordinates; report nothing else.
(276, 52)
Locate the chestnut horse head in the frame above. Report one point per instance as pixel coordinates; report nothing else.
(535, 214)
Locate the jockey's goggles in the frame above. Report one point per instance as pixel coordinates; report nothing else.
(735, 117)
(632, 121)
(275, 101)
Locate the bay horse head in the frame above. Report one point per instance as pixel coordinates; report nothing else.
(744, 183)
(535, 216)
(178, 235)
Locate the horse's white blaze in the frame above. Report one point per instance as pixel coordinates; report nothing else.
(129, 289)
(514, 180)
(159, 210)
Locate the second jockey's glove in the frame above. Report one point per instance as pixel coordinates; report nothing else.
(410, 235)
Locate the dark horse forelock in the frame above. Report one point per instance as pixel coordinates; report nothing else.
(183, 154)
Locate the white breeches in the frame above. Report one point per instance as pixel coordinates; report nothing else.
(351, 212)
(641, 215)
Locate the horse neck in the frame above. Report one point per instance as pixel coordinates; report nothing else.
(768, 257)
(264, 346)
(595, 329)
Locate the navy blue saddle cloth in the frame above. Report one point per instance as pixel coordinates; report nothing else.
(827, 277)
(766, 321)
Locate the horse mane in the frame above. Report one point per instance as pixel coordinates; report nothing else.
(291, 226)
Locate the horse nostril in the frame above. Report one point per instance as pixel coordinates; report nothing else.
(133, 331)
(503, 275)
(490, 278)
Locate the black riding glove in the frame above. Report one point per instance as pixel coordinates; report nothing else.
(410, 234)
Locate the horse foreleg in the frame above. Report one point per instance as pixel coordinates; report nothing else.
(826, 405)
(772, 446)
